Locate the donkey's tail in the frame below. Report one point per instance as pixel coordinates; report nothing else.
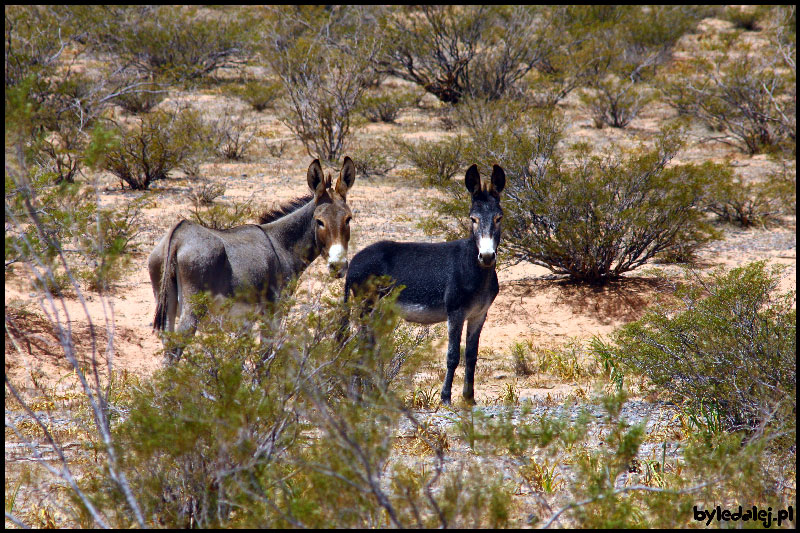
(169, 283)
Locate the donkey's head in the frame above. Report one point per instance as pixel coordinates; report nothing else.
(486, 213)
(332, 215)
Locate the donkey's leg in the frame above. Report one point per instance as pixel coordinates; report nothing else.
(474, 327)
(455, 324)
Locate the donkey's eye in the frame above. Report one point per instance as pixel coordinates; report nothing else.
(498, 218)
(347, 220)
(320, 223)
(474, 220)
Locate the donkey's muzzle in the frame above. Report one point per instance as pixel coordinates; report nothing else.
(487, 259)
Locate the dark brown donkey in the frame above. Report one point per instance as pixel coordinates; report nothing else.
(453, 281)
(254, 262)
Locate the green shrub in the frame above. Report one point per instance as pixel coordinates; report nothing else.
(323, 63)
(259, 94)
(458, 51)
(160, 142)
(386, 105)
(615, 102)
(438, 161)
(754, 203)
(177, 43)
(142, 100)
(222, 215)
(370, 161)
(731, 345)
(606, 214)
(744, 92)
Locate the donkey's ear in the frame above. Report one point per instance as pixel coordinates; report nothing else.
(473, 180)
(316, 179)
(346, 177)
(498, 182)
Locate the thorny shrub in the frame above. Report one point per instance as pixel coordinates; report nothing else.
(730, 344)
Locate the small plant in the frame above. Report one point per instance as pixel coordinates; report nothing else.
(222, 215)
(206, 194)
(615, 102)
(161, 142)
(508, 396)
(519, 353)
(754, 203)
(438, 161)
(385, 106)
(142, 100)
(541, 477)
(259, 94)
(230, 136)
(370, 160)
(731, 349)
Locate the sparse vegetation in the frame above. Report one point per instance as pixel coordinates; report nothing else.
(160, 142)
(731, 345)
(263, 431)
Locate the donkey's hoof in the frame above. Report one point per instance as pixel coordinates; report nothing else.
(469, 400)
(445, 401)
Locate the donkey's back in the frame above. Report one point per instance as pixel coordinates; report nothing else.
(434, 276)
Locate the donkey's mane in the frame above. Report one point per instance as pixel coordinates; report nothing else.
(271, 215)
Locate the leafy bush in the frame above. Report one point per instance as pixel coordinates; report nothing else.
(176, 43)
(323, 63)
(438, 161)
(615, 102)
(269, 427)
(371, 161)
(259, 94)
(385, 106)
(731, 345)
(95, 242)
(160, 142)
(222, 215)
(745, 92)
(754, 203)
(458, 51)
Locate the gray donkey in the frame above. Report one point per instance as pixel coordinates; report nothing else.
(453, 281)
(254, 262)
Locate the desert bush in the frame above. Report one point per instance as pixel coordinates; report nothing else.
(143, 100)
(158, 143)
(386, 105)
(458, 51)
(323, 63)
(747, 204)
(607, 215)
(745, 17)
(175, 43)
(259, 94)
(438, 161)
(747, 93)
(229, 135)
(231, 422)
(615, 102)
(371, 160)
(94, 242)
(222, 215)
(730, 344)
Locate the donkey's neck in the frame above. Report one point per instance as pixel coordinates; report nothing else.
(294, 234)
